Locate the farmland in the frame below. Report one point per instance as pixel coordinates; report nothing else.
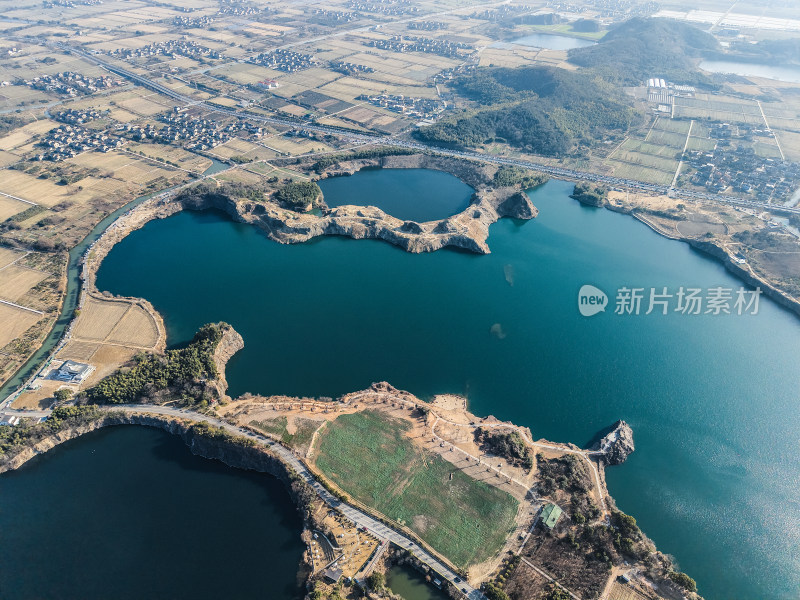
(369, 456)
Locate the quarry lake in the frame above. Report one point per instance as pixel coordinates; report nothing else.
(712, 399)
(129, 512)
(437, 194)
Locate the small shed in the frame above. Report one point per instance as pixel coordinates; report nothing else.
(550, 515)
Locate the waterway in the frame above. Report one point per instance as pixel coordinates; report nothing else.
(72, 294)
(746, 69)
(437, 195)
(128, 513)
(548, 42)
(712, 398)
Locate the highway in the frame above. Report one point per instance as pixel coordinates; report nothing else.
(554, 171)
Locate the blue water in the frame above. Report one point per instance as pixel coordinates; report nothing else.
(129, 513)
(410, 194)
(713, 400)
(745, 69)
(549, 42)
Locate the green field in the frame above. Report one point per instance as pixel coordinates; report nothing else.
(369, 457)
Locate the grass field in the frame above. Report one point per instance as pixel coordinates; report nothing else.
(369, 456)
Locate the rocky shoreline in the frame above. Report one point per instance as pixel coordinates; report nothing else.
(715, 251)
(467, 230)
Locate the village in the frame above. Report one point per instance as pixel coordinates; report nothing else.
(68, 141)
(284, 60)
(407, 43)
(72, 84)
(186, 48)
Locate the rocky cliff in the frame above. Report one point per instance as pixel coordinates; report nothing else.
(229, 345)
(618, 444)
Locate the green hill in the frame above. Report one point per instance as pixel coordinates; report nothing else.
(642, 48)
(544, 110)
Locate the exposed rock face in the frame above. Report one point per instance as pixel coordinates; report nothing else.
(229, 345)
(468, 230)
(517, 206)
(618, 444)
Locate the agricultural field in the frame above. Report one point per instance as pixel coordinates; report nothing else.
(718, 108)
(653, 154)
(15, 281)
(15, 322)
(119, 322)
(368, 455)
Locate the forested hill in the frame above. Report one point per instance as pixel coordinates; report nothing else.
(544, 110)
(642, 48)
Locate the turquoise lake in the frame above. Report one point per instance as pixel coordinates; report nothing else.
(129, 513)
(437, 194)
(713, 400)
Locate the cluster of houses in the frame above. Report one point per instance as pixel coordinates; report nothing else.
(427, 25)
(69, 3)
(192, 22)
(418, 44)
(422, 108)
(501, 13)
(192, 132)
(72, 84)
(77, 117)
(390, 8)
(67, 141)
(284, 60)
(607, 9)
(742, 170)
(241, 9)
(348, 68)
(169, 48)
(334, 17)
(61, 3)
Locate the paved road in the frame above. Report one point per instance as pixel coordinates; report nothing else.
(359, 518)
(555, 171)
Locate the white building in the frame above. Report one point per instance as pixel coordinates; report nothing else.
(72, 371)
